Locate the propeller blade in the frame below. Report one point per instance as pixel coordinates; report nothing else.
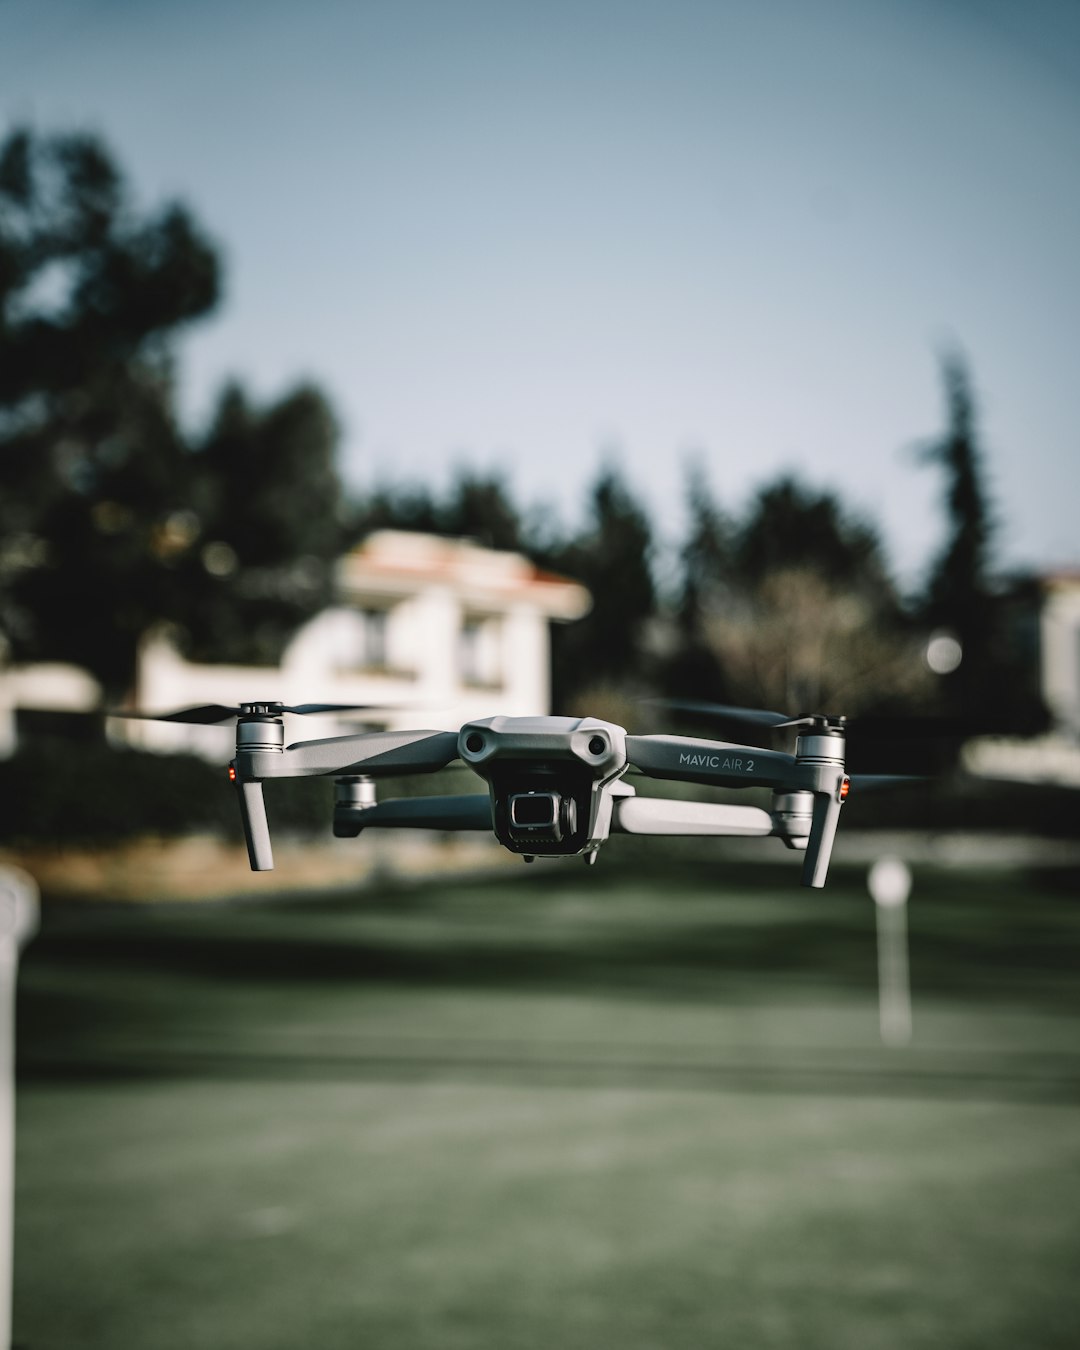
(751, 717)
(309, 709)
(906, 726)
(872, 726)
(209, 714)
(873, 781)
(378, 754)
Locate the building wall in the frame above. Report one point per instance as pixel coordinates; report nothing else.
(429, 632)
(46, 687)
(1060, 643)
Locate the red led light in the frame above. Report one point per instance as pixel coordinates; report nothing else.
(845, 788)
(232, 773)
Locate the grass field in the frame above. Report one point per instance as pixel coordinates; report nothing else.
(580, 1110)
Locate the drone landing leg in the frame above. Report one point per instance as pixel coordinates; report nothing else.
(256, 829)
(822, 833)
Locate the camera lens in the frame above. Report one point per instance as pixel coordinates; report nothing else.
(597, 745)
(474, 743)
(534, 810)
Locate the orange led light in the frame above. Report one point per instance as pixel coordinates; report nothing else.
(232, 773)
(845, 788)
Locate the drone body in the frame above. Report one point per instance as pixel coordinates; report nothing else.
(555, 785)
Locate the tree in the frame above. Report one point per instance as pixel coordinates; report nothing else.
(476, 506)
(612, 557)
(799, 642)
(994, 684)
(706, 554)
(705, 577)
(789, 525)
(958, 594)
(92, 466)
(269, 506)
(480, 507)
(393, 506)
(794, 606)
(110, 519)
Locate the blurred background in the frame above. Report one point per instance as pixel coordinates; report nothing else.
(472, 359)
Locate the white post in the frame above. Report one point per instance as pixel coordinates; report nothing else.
(889, 882)
(18, 923)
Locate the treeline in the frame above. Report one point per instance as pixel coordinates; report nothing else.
(114, 517)
(789, 604)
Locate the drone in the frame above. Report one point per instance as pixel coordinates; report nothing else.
(556, 786)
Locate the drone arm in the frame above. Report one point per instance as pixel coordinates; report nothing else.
(661, 816)
(256, 828)
(688, 760)
(471, 812)
(373, 754)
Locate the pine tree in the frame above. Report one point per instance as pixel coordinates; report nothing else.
(960, 596)
(612, 557)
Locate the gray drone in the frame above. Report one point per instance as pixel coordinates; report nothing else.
(556, 785)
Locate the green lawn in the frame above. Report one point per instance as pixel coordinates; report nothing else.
(607, 1109)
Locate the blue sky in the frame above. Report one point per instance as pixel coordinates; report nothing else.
(531, 236)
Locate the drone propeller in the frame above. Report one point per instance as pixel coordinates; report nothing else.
(872, 726)
(862, 781)
(211, 714)
(722, 712)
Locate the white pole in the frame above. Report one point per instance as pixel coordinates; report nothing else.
(18, 923)
(889, 882)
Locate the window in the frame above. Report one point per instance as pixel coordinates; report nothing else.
(478, 653)
(355, 640)
(375, 639)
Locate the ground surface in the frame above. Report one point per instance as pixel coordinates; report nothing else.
(579, 1110)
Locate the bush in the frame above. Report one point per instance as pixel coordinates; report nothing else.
(59, 791)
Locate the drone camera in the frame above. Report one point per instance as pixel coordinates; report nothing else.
(535, 810)
(541, 809)
(542, 817)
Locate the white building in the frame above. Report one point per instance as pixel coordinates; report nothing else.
(1059, 642)
(1055, 757)
(428, 631)
(44, 687)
